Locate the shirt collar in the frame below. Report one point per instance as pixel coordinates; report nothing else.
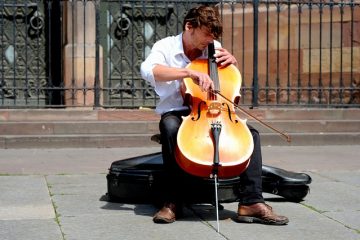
(180, 48)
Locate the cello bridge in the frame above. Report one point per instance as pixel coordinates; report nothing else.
(214, 108)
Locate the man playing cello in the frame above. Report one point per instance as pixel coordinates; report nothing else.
(164, 69)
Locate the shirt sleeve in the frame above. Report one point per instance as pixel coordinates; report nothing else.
(155, 57)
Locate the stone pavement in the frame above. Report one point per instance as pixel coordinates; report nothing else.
(57, 194)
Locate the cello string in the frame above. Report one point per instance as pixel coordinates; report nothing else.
(286, 136)
(213, 72)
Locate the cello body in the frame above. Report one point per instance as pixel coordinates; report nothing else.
(196, 146)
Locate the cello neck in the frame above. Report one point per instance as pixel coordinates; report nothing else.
(213, 71)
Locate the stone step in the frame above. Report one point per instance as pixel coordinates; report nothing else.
(151, 127)
(77, 141)
(312, 139)
(79, 127)
(27, 115)
(56, 115)
(143, 140)
(133, 128)
(309, 126)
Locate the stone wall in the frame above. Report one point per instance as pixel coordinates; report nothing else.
(298, 49)
(79, 59)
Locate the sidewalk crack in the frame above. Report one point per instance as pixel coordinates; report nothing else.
(57, 214)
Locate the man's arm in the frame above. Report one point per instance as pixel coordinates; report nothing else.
(165, 73)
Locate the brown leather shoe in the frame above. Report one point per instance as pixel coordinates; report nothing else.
(260, 213)
(166, 214)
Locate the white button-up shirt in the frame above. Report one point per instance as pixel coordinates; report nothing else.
(168, 52)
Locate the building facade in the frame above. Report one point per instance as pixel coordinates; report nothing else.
(57, 54)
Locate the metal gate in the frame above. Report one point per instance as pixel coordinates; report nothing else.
(132, 28)
(290, 53)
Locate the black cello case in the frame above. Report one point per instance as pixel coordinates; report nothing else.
(140, 180)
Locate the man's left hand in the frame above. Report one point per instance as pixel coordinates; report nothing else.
(224, 58)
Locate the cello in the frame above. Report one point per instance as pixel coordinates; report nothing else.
(212, 138)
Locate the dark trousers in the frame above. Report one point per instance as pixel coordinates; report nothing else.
(250, 179)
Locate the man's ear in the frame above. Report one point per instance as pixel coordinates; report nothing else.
(188, 26)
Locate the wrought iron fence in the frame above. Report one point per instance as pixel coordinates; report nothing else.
(88, 53)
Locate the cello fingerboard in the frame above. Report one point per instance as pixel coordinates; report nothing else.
(213, 71)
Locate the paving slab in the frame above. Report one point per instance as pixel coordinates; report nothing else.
(26, 210)
(25, 197)
(304, 224)
(65, 160)
(348, 177)
(133, 227)
(30, 229)
(98, 160)
(308, 220)
(77, 184)
(34, 184)
(84, 214)
(349, 218)
(337, 196)
(333, 195)
(313, 158)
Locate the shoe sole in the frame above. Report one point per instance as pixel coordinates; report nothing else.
(247, 219)
(163, 220)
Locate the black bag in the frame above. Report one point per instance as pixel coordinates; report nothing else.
(290, 185)
(140, 179)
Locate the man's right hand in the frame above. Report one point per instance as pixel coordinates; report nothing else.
(202, 79)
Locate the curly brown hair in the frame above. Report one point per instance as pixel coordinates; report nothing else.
(204, 16)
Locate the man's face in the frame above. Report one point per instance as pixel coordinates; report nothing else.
(200, 37)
